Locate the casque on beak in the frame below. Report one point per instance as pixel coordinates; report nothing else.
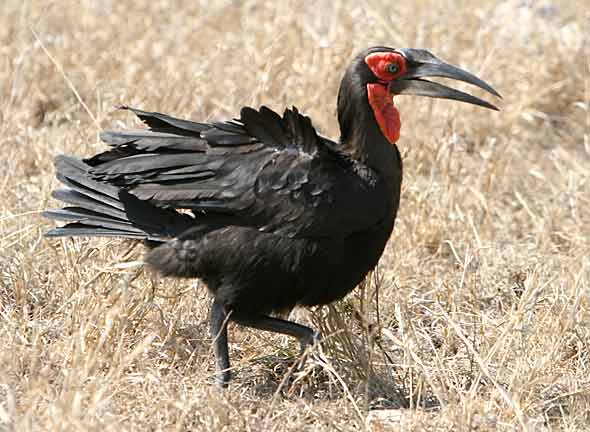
(421, 64)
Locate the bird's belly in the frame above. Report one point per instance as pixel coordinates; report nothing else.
(344, 265)
(263, 273)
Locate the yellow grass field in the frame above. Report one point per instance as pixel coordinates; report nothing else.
(478, 316)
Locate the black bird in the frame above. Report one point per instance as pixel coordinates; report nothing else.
(278, 215)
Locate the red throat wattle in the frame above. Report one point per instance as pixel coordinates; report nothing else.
(385, 112)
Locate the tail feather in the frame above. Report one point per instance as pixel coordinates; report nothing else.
(81, 230)
(88, 217)
(79, 199)
(104, 210)
(72, 170)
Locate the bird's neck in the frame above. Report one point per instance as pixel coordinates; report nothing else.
(369, 127)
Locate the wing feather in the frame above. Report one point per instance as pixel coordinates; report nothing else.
(271, 172)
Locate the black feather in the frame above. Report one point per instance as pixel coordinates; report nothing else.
(221, 137)
(76, 198)
(273, 123)
(91, 218)
(256, 127)
(163, 122)
(82, 230)
(152, 141)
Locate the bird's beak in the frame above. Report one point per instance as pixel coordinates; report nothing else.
(421, 63)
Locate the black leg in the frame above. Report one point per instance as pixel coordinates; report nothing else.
(305, 335)
(218, 329)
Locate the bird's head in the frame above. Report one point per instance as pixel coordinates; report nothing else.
(387, 72)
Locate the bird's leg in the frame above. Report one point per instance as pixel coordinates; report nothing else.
(218, 330)
(305, 335)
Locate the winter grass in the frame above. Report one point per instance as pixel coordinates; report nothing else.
(477, 317)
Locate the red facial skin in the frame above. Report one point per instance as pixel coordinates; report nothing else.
(385, 112)
(380, 99)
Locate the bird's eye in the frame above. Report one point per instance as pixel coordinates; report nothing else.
(392, 68)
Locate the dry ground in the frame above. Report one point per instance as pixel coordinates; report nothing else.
(482, 320)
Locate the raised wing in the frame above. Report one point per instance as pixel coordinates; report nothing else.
(262, 170)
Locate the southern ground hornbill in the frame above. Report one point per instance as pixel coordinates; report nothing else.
(278, 215)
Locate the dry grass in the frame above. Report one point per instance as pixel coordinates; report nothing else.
(483, 310)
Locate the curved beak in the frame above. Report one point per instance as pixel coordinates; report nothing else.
(421, 63)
